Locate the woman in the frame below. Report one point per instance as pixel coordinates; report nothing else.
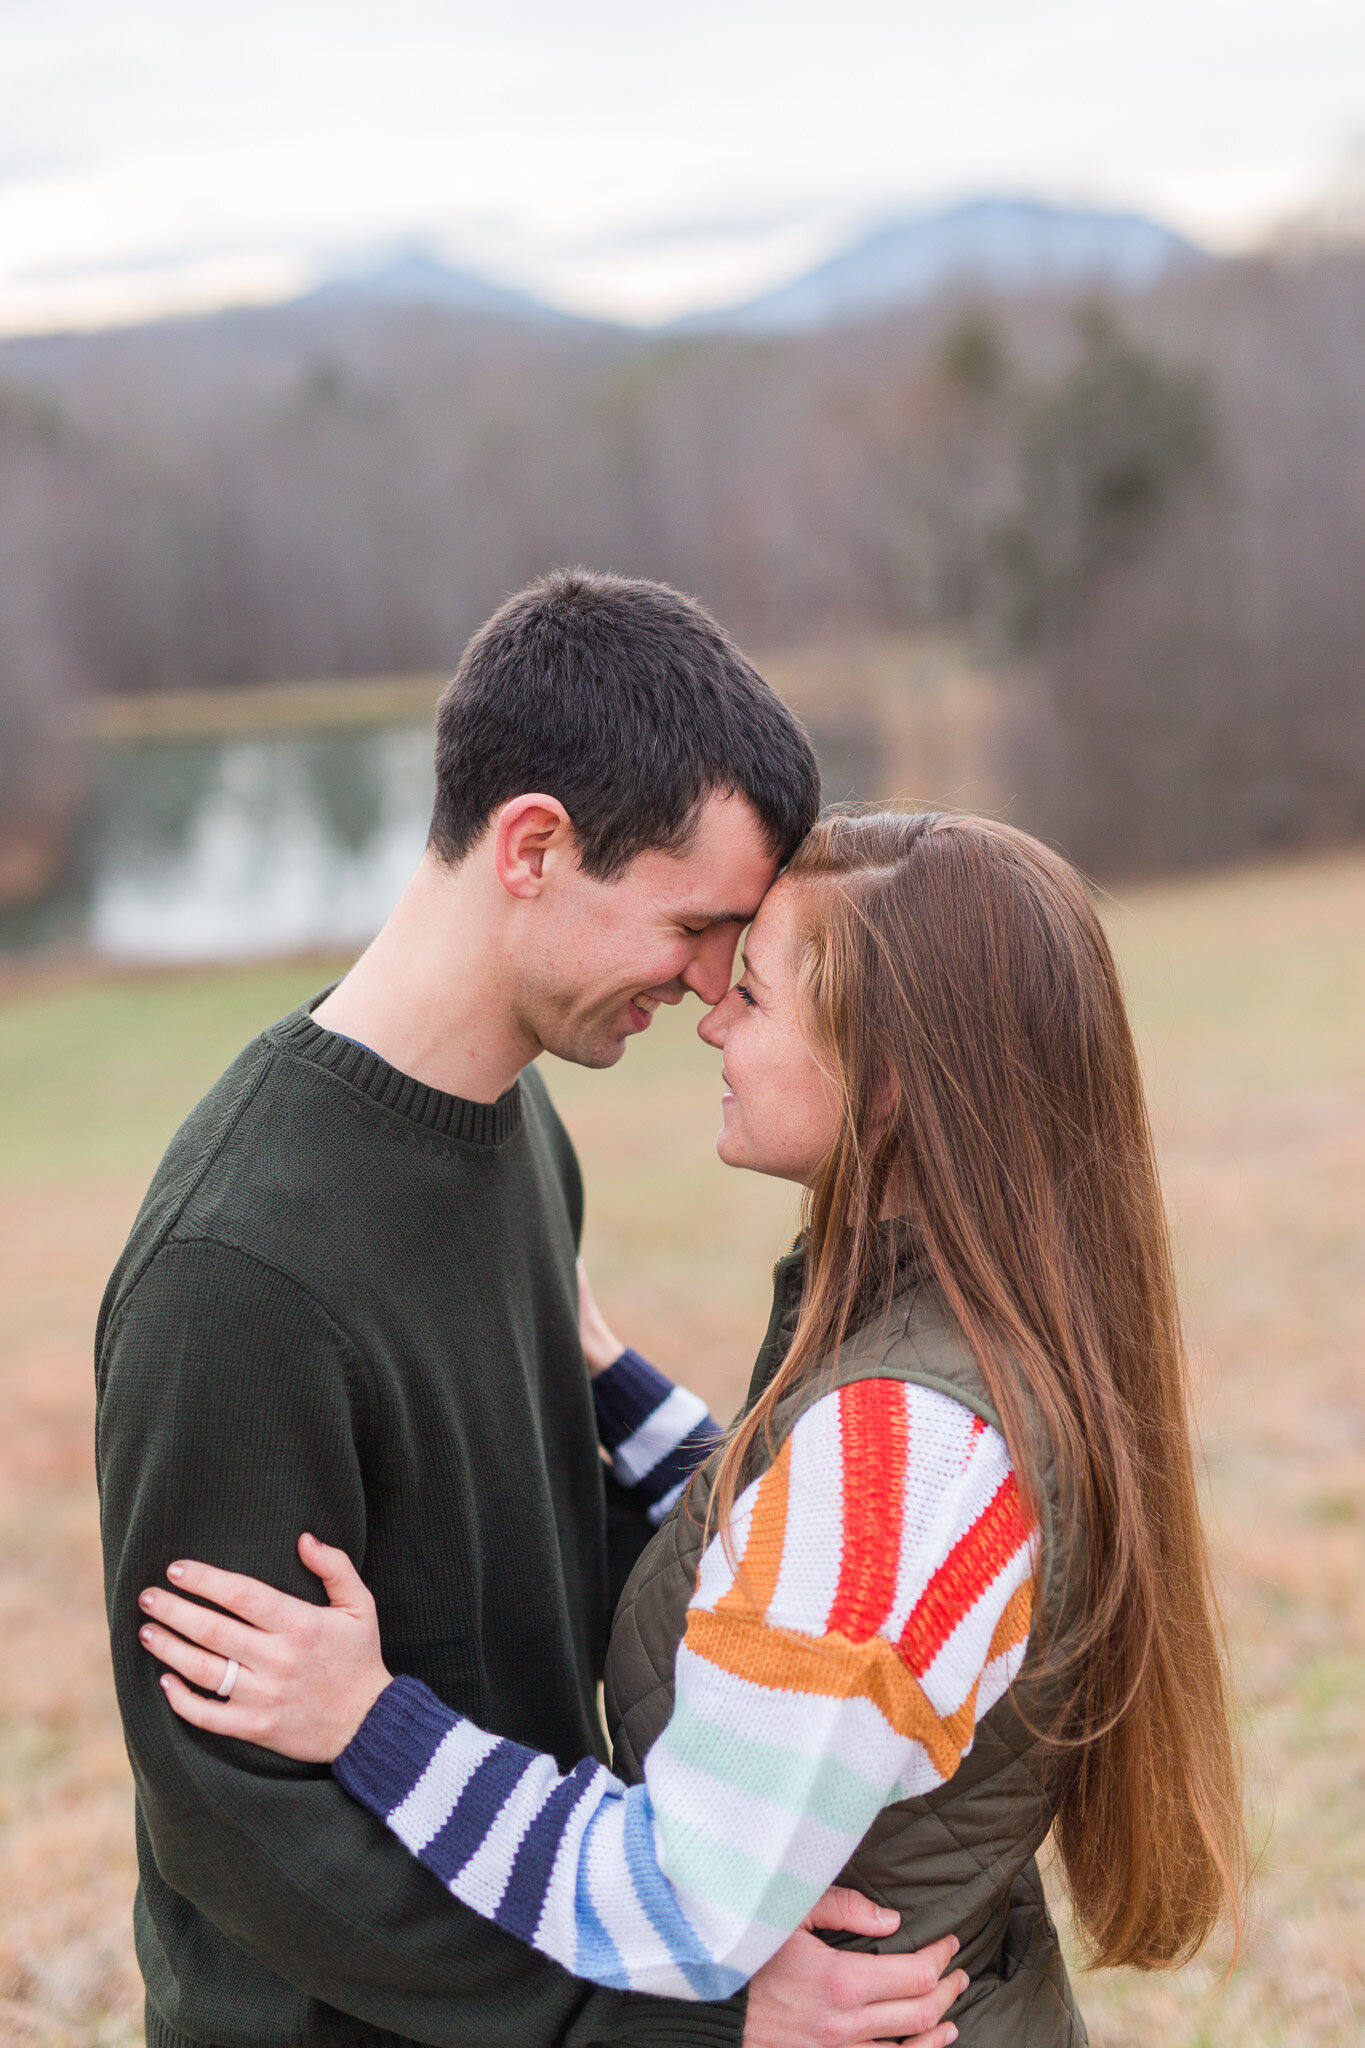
(944, 1588)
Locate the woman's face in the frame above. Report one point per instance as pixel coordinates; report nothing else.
(781, 1110)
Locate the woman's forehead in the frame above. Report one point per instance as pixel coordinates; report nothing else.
(769, 944)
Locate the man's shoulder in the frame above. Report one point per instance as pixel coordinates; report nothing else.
(240, 1136)
(200, 1139)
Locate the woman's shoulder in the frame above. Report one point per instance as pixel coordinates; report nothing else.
(916, 1338)
(881, 1467)
(891, 1513)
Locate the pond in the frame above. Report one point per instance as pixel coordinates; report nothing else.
(286, 818)
(216, 847)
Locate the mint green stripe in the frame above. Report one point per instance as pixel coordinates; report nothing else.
(823, 1787)
(732, 1879)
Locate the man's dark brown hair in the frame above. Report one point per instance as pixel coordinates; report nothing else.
(627, 702)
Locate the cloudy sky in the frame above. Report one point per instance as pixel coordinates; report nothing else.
(623, 156)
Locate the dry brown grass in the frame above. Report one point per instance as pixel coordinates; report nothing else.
(1250, 990)
(66, 1865)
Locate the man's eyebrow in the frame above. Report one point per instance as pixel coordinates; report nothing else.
(715, 917)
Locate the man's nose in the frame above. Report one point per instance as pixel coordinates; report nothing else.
(708, 973)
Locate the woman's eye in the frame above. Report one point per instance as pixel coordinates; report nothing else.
(743, 993)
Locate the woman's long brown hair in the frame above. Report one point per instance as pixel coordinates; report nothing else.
(956, 978)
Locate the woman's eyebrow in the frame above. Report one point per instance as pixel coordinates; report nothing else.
(747, 964)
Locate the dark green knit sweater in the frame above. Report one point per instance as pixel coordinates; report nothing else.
(348, 1305)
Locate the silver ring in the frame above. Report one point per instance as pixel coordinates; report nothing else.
(228, 1679)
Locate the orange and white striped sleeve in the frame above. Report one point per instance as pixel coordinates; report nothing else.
(885, 1552)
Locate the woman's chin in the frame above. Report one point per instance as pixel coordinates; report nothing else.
(729, 1148)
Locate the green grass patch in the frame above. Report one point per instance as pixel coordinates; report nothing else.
(95, 1076)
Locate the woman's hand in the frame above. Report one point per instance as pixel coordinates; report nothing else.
(306, 1676)
(601, 1347)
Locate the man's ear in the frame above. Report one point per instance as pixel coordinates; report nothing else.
(525, 832)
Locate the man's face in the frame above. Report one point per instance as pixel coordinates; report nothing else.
(599, 957)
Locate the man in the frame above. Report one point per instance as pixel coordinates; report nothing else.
(348, 1305)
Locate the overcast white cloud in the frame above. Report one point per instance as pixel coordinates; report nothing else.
(169, 152)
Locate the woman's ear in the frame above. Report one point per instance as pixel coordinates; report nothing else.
(525, 831)
(886, 1099)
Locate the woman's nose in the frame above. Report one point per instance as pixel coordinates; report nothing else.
(713, 1025)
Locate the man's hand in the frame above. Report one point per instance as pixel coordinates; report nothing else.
(812, 1996)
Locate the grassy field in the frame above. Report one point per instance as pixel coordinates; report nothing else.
(1250, 994)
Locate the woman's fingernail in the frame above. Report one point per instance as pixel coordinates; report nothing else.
(887, 1917)
(144, 1635)
(951, 2034)
(956, 1945)
(166, 1681)
(144, 1600)
(175, 1571)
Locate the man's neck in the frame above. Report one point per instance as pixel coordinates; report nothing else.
(431, 995)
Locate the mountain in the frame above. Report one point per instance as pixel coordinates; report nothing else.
(414, 278)
(1004, 245)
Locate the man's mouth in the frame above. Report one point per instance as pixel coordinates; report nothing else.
(642, 1010)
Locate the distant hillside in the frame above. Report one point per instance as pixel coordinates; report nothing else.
(1008, 246)
(414, 278)
(1004, 245)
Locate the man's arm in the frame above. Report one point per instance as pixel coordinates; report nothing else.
(232, 1416)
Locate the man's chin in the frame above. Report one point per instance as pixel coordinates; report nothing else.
(602, 1047)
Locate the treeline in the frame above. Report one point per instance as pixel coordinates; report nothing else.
(1149, 517)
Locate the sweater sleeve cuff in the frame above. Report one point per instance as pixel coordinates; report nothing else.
(657, 1434)
(393, 1745)
(625, 1395)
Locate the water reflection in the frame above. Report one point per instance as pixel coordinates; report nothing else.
(204, 849)
(224, 846)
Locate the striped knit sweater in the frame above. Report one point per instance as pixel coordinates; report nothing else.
(882, 1607)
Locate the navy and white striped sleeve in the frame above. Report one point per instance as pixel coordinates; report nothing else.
(568, 1863)
(656, 1434)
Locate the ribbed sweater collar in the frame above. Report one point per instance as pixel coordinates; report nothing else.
(450, 1116)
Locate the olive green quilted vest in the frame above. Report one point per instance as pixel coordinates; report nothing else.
(962, 1859)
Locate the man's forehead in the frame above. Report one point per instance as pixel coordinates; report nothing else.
(718, 898)
(723, 872)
